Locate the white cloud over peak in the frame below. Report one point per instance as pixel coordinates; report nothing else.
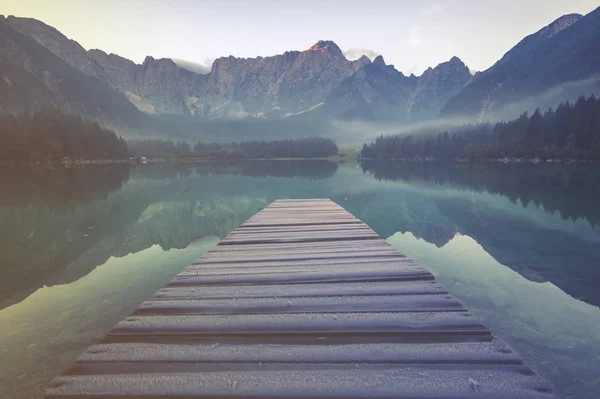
(355, 53)
(414, 39)
(202, 68)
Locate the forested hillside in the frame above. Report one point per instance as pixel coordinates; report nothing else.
(570, 131)
(311, 147)
(49, 134)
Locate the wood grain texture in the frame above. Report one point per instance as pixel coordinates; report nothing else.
(301, 301)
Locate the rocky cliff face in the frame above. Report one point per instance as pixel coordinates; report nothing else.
(378, 91)
(436, 86)
(291, 82)
(265, 87)
(32, 76)
(318, 83)
(567, 50)
(236, 87)
(156, 86)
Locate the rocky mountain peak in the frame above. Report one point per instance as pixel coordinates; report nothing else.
(558, 25)
(327, 47)
(379, 61)
(454, 67)
(31, 24)
(565, 50)
(456, 61)
(319, 79)
(426, 72)
(150, 61)
(525, 46)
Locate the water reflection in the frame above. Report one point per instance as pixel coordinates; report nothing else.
(81, 248)
(44, 333)
(571, 190)
(59, 187)
(59, 225)
(539, 221)
(556, 334)
(308, 169)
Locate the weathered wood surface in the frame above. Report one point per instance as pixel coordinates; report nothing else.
(301, 301)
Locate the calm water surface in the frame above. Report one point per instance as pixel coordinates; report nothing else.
(519, 245)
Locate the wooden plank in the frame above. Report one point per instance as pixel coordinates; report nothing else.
(301, 339)
(235, 260)
(333, 246)
(336, 304)
(373, 381)
(328, 248)
(317, 323)
(300, 222)
(304, 230)
(330, 217)
(407, 273)
(243, 253)
(308, 236)
(280, 223)
(319, 265)
(302, 301)
(493, 352)
(293, 239)
(331, 230)
(305, 290)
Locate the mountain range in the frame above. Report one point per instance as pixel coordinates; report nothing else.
(567, 50)
(39, 66)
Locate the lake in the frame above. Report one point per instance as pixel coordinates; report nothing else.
(519, 245)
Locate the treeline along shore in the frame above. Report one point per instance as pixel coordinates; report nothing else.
(310, 147)
(48, 135)
(569, 133)
(572, 131)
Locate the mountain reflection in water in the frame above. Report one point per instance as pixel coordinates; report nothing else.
(548, 235)
(81, 248)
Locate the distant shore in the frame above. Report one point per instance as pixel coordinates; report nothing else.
(68, 162)
(339, 158)
(512, 161)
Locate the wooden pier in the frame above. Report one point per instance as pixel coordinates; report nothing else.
(301, 301)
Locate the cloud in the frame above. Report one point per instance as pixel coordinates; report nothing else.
(355, 53)
(413, 37)
(202, 68)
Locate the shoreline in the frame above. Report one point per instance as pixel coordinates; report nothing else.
(190, 161)
(505, 161)
(340, 160)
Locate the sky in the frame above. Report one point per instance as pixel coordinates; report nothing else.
(411, 35)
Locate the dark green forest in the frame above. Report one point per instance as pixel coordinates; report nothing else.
(311, 147)
(570, 131)
(157, 148)
(50, 135)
